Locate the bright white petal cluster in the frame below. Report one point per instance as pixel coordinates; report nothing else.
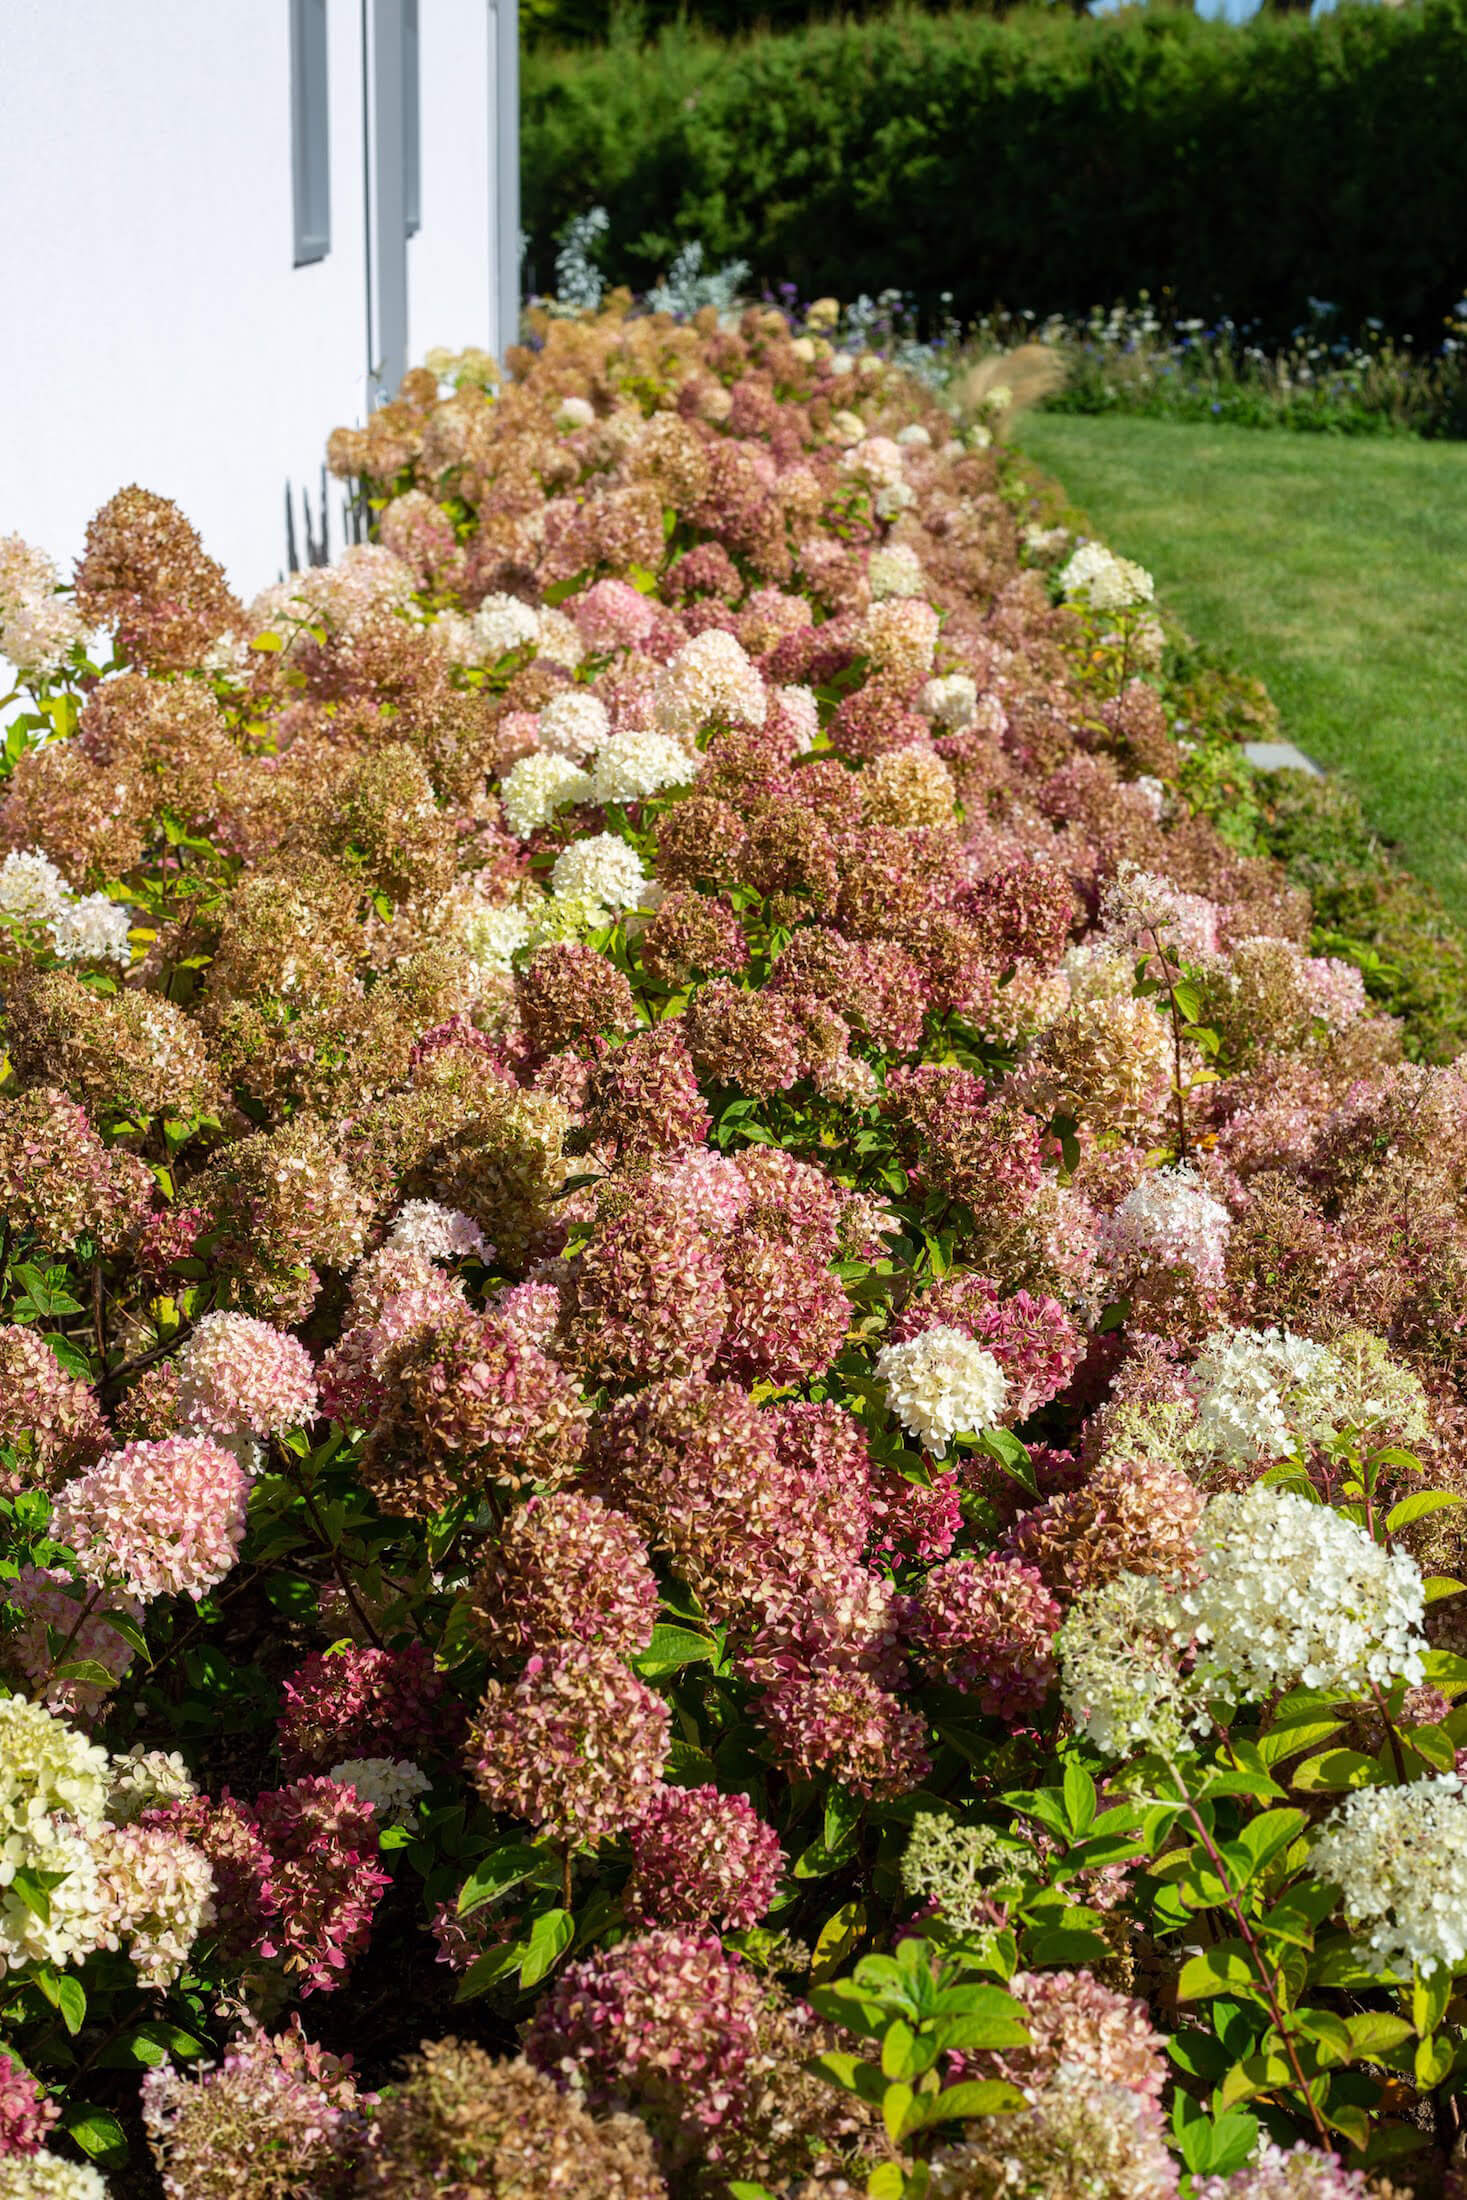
(1247, 1385)
(574, 412)
(1294, 1595)
(952, 701)
(45, 1766)
(537, 786)
(1168, 1222)
(801, 707)
(1120, 1676)
(895, 570)
(1096, 576)
(503, 623)
(435, 1232)
(1399, 1858)
(31, 887)
(941, 1382)
(876, 460)
(92, 929)
(573, 724)
(490, 933)
(391, 1785)
(37, 626)
(45, 2176)
(603, 869)
(147, 1779)
(559, 638)
(638, 763)
(710, 677)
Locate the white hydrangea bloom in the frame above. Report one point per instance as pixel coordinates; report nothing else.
(875, 460)
(1359, 1388)
(1044, 542)
(436, 1232)
(895, 570)
(845, 426)
(147, 1779)
(1167, 1222)
(491, 933)
(1119, 1670)
(45, 1767)
(573, 724)
(914, 436)
(503, 623)
(560, 638)
(1104, 581)
(391, 1785)
(37, 626)
(1140, 911)
(1399, 1858)
(637, 763)
(574, 412)
(897, 497)
(951, 701)
(1294, 1595)
(455, 635)
(78, 1906)
(710, 677)
(603, 869)
(538, 785)
(1247, 1383)
(31, 887)
(92, 929)
(46, 2176)
(801, 706)
(941, 1382)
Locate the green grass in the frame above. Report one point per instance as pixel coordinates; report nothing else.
(1334, 570)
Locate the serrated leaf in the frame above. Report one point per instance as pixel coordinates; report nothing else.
(97, 2133)
(1337, 1769)
(1290, 1738)
(1418, 1505)
(497, 1872)
(973, 2097)
(1225, 1969)
(1375, 2032)
(550, 1936)
(670, 1649)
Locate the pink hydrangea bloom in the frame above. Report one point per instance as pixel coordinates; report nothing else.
(359, 1702)
(322, 1881)
(576, 1745)
(239, 1377)
(986, 1626)
(164, 1519)
(702, 1857)
(26, 2114)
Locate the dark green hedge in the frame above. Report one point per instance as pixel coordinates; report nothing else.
(1043, 161)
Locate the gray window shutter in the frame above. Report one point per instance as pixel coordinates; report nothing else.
(412, 122)
(310, 139)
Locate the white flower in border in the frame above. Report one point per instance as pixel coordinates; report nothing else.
(940, 1382)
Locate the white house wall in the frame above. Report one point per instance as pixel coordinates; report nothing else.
(157, 329)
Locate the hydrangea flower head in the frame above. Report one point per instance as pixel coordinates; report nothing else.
(939, 1383)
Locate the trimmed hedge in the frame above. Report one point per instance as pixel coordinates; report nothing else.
(1043, 161)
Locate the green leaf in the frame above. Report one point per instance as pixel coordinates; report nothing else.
(670, 1649)
(1418, 1505)
(886, 2182)
(97, 2133)
(1375, 2032)
(1001, 1444)
(550, 1936)
(495, 1873)
(905, 2053)
(1080, 1799)
(1291, 1737)
(1336, 1769)
(33, 1888)
(1429, 1998)
(1434, 2059)
(1267, 1835)
(1225, 1969)
(896, 2101)
(67, 1995)
(973, 2097)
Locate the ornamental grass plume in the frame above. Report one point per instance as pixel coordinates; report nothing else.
(576, 1745)
(461, 2123)
(161, 1519)
(700, 1857)
(565, 1568)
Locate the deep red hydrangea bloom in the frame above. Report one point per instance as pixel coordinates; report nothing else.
(357, 1702)
(576, 1745)
(987, 1626)
(566, 1568)
(321, 1881)
(702, 1857)
(839, 1724)
(668, 2019)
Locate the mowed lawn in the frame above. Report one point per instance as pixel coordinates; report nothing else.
(1333, 568)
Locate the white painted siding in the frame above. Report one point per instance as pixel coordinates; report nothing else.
(157, 329)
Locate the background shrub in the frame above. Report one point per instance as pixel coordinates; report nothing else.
(1040, 160)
